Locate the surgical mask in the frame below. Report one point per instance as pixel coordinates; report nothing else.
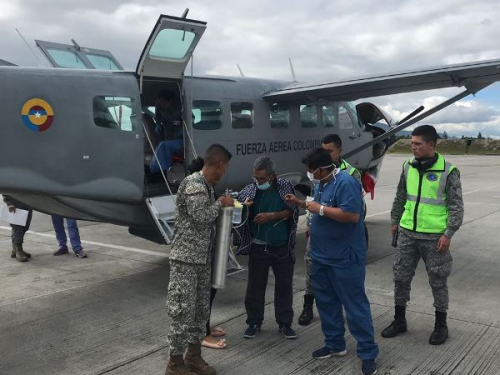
(264, 186)
(315, 181)
(310, 176)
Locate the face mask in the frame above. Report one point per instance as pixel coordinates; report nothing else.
(315, 181)
(264, 186)
(310, 176)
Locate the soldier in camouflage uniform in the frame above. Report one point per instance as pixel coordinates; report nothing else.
(333, 144)
(188, 299)
(428, 209)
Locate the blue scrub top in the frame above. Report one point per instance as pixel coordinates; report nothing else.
(332, 242)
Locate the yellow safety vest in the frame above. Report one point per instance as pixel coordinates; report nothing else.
(426, 209)
(345, 166)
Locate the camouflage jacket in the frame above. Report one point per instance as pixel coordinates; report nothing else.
(196, 212)
(455, 205)
(9, 201)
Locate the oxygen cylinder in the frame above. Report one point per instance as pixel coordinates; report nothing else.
(222, 242)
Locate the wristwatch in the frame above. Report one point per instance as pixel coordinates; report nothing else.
(322, 211)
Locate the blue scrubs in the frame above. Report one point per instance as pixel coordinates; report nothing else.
(338, 254)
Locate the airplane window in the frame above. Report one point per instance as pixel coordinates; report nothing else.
(345, 121)
(66, 59)
(308, 116)
(115, 112)
(328, 116)
(172, 44)
(102, 62)
(242, 115)
(279, 114)
(207, 115)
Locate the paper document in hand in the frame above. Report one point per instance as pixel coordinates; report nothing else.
(18, 218)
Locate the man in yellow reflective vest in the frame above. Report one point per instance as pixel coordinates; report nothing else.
(428, 209)
(333, 144)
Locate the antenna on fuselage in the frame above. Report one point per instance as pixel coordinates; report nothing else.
(33, 52)
(294, 78)
(184, 15)
(241, 71)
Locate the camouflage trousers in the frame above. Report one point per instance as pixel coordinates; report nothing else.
(438, 266)
(18, 231)
(307, 259)
(188, 304)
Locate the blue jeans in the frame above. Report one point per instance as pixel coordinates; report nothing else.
(74, 235)
(164, 152)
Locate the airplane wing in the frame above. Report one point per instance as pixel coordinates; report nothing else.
(6, 63)
(474, 76)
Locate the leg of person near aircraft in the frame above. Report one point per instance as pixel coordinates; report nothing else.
(438, 266)
(188, 305)
(17, 236)
(62, 239)
(336, 287)
(74, 238)
(307, 315)
(214, 338)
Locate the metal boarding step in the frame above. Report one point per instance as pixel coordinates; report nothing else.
(162, 210)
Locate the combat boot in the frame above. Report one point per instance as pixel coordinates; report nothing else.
(440, 333)
(13, 253)
(21, 256)
(398, 325)
(176, 366)
(195, 362)
(307, 314)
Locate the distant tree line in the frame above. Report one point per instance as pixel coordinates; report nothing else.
(446, 136)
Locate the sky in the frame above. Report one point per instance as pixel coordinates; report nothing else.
(326, 39)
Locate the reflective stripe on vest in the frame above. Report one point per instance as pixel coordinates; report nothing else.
(425, 209)
(345, 166)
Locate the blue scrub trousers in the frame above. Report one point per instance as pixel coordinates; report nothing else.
(74, 234)
(335, 287)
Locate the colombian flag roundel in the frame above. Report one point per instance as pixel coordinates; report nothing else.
(37, 115)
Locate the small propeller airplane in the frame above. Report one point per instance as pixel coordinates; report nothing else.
(78, 138)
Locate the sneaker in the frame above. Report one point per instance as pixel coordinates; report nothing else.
(326, 352)
(80, 254)
(61, 251)
(287, 331)
(369, 367)
(251, 331)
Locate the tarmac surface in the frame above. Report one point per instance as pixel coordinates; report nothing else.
(106, 314)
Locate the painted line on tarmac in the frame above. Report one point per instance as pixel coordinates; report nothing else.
(378, 213)
(100, 244)
(475, 191)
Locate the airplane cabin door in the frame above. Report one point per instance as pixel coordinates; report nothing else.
(351, 132)
(169, 47)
